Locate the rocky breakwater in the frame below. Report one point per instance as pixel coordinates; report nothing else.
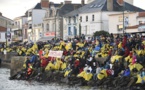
(16, 64)
(6, 59)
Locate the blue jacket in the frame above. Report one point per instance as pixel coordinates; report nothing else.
(33, 59)
(126, 72)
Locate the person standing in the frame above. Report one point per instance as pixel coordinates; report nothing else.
(5, 53)
(0, 62)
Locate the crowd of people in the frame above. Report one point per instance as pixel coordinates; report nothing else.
(105, 60)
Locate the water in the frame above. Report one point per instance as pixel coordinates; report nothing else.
(6, 84)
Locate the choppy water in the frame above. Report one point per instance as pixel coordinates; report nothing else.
(6, 84)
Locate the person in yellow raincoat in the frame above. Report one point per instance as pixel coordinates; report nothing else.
(141, 77)
(86, 74)
(67, 70)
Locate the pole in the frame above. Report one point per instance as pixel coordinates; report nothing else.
(123, 18)
(55, 25)
(6, 33)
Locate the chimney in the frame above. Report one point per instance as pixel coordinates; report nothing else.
(110, 5)
(75, 7)
(83, 2)
(44, 3)
(0, 14)
(67, 1)
(120, 2)
(61, 3)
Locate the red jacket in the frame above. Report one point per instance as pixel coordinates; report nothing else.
(44, 62)
(127, 52)
(40, 53)
(77, 63)
(110, 52)
(124, 42)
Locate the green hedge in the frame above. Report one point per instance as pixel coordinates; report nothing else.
(102, 32)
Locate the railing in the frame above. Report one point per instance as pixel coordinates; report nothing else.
(16, 38)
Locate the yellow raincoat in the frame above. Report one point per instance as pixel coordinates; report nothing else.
(85, 75)
(136, 65)
(139, 79)
(50, 66)
(67, 72)
(68, 46)
(102, 74)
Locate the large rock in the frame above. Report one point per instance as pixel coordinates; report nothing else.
(16, 64)
(8, 56)
(101, 60)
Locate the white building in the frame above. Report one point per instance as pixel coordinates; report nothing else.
(38, 31)
(133, 22)
(18, 31)
(35, 17)
(95, 17)
(54, 22)
(5, 29)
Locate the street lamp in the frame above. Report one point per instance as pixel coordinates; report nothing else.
(6, 33)
(55, 22)
(123, 17)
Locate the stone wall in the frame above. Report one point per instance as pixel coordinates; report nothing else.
(8, 56)
(16, 64)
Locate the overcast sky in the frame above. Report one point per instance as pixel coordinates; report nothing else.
(16, 8)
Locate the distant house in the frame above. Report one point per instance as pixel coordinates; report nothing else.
(94, 16)
(5, 29)
(53, 21)
(134, 22)
(18, 31)
(35, 16)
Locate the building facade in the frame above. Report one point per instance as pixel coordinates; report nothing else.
(95, 16)
(54, 21)
(5, 29)
(38, 31)
(133, 22)
(18, 31)
(34, 17)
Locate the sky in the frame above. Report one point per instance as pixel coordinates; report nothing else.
(16, 8)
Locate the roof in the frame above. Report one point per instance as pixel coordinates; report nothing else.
(6, 18)
(121, 13)
(2, 29)
(135, 26)
(128, 7)
(67, 8)
(141, 14)
(38, 5)
(101, 5)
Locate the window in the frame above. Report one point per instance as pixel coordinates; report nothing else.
(15, 23)
(47, 27)
(86, 18)
(85, 30)
(93, 17)
(80, 18)
(92, 6)
(120, 27)
(30, 26)
(75, 31)
(69, 31)
(74, 19)
(140, 22)
(69, 21)
(30, 14)
(120, 19)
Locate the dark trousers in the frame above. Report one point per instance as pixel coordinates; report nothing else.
(0, 62)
